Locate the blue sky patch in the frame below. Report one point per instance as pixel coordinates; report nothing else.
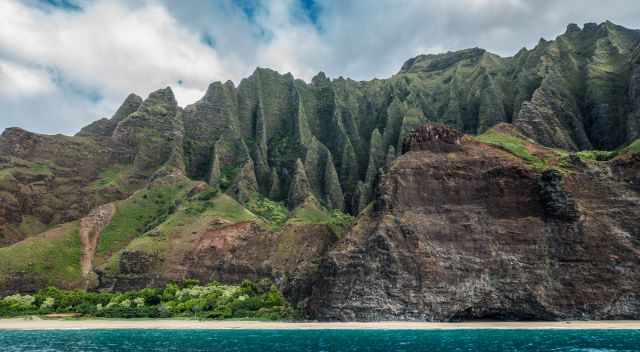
(68, 5)
(248, 7)
(69, 87)
(208, 40)
(306, 11)
(311, 10)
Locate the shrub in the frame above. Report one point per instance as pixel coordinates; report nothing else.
(207, 195)
(275, 213)
(260, 300)
(19, 302)
(596, 155)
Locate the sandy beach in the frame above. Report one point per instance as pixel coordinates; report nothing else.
(56, 324)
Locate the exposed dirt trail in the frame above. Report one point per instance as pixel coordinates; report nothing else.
(90, 228)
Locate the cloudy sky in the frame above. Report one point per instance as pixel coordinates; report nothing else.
(65, 63)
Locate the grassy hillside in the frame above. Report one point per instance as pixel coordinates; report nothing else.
(140, 213)
(51, 258)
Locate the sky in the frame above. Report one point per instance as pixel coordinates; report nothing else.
(66, 63)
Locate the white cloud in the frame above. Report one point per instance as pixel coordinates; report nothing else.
(110, 45)
(17, 80)
(186, 96)
(114, 47)
(296, 47)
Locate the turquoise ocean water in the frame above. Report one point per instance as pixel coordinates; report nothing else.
(320, 340)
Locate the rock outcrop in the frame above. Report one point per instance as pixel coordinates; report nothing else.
(432, 137)
(474, 233)
(105, 127)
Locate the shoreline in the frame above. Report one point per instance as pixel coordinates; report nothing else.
(168, 324)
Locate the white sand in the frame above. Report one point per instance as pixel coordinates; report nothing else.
(51, 324)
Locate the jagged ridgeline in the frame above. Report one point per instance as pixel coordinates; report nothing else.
(247, 183)
(287, 139)
(272, 135)
(282, 137)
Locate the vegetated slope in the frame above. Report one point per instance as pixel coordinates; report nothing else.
(161, 225)
(254, 181)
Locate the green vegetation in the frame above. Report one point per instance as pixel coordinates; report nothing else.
(190, 216)
(558, 158)
(633, 148)
(5, 173)
(227, 174)
(112, 177)
(261, 300)
(340, 222)
(311, 213)
(158, 109)
(138, 214)
(31, 225)
(225, 207)
(211, 204)
(596, 155)
(544, 158)
(207, 195)
(41, 169)
(25, 167)
(52, 257)
(602, 155)
(514, 145)
(274, 213)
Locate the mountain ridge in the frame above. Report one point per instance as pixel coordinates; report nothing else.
(308, 184)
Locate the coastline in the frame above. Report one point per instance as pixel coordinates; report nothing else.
(168, 324)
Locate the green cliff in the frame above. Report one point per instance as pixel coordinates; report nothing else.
(263, 179)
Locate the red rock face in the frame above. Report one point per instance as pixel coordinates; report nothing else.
(474, 234)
